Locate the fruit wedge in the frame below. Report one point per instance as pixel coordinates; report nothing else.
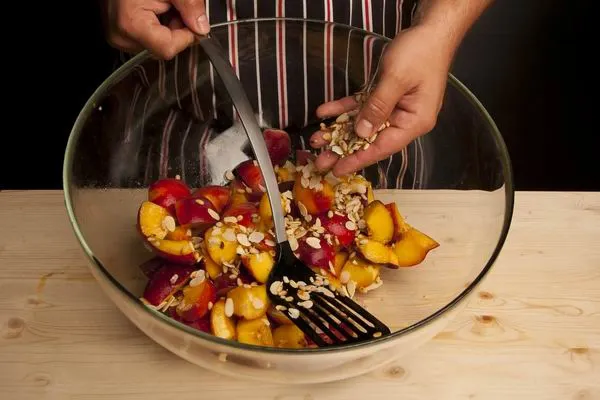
(217, 195)
(154, 220)
(379, 222)
(166, 192)
(176, 251)
(289, 337)
(362, 272)
(412, 248)
(220, 324)
(196, 300)
(314, 201)
(256, 332)
(219, 246)
(249, 302)
(166, 281)
(278, 144)
(259, 265)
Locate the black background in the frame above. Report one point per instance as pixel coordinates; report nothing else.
(529, 62)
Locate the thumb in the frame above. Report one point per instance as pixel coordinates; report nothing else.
(193, 14)
(379, 105)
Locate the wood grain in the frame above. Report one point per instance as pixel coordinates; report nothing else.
(531, 332)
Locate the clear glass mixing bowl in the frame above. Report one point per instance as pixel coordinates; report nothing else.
(152, 119)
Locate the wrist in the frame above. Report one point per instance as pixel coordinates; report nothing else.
(447, 21)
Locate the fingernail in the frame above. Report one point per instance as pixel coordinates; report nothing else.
(203, 24)
(364, 128)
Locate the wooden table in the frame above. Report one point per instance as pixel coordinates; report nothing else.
(61, 338)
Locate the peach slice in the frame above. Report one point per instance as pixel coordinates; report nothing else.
(166, 192)
(278, 316)
(180, 233)
(196, 300)
(249, 302)
(339, 226)
(265, 212)
(217, 195)
(379, 222)
(166, 281)
(289, 337)
(247, 212)
(413, 247)
(340, 259)
(259, 265)
(316, 252)
(202, 324)
(315, 202)
(400, 226)
(220, 324)
(255, 332)
(374, 251)
(362, 272)
(176, 251)
(304, 156)
(212, 268)
(154, 220)
(239, 194)
(286, 173)
(196, 212)
(278, 144)
(249, 172)
(220, 249)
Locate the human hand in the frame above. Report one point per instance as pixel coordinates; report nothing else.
(409, 93)
(134, 25)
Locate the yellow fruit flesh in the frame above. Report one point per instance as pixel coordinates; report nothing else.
(220, 324)
(379, 222)
(219, 249)
(362, 272)
(256, 332)
(249, 302)
(289, 337)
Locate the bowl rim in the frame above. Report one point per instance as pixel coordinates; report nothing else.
(129, 65)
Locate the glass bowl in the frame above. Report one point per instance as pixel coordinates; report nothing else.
(153, 119)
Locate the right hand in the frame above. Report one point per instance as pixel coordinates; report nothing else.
(133, 25)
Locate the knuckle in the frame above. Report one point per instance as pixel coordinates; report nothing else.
(168, 52)
(376, 108)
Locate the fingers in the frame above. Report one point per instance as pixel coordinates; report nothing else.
(388, 142)
(317, 141)
(193, 15)
(337, 107)
(159, 39)
(379, 105)
(326, 160)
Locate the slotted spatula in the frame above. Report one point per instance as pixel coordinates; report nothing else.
(324, 315)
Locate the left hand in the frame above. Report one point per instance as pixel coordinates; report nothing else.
(409, 95)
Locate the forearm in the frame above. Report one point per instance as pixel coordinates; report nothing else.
(450, 20)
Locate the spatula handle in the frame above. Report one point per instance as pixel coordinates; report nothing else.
(246, 114)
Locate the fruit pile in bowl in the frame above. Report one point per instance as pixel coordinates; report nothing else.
(215, 245)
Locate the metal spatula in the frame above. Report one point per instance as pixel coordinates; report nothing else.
(324, 315)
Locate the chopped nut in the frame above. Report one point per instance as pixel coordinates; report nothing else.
(242, 239)
(229, 307)
(213, 214)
